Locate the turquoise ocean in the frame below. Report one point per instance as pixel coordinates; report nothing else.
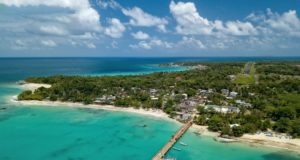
(62, 133)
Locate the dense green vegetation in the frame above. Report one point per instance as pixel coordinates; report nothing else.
(275, 99)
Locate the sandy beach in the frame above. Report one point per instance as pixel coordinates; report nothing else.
(277, 141)
(34, 86)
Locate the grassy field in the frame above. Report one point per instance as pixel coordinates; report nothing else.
(246, 79)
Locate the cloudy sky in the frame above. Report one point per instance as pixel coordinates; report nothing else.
(46, 28)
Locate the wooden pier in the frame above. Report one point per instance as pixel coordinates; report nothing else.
(160, 155)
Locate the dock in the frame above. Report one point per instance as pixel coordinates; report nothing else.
(160, 155)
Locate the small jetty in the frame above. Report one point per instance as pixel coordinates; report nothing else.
(160, 155)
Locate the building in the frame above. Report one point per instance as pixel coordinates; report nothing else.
(185, 96)
(154, 98)
(188, 105)
(152, 91)
(225, 92)
(222, 109)
(181, 116)
(243, 103)
(105, 99)
(233, 94)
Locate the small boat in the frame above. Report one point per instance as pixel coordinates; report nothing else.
(169, 159)
(183, 144)
(177, 149)
(197, 133)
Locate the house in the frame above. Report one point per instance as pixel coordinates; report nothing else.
(153, 98)
(111, 98)
(203, 92)
(232, 77)
(188, 105)
(225, 92)
(243, 103)
(233, 109)
(222, 109)
(105, 99)
(181, 116)
(100, 100)
(185, 96)
(210, 91)
(215, 108)
(234, 125)
(233, 94)
(153, 91)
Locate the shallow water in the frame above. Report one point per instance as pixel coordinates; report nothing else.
(62, 133)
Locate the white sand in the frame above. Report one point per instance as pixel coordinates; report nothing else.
(150, 112)
(34, 86)
(279, 141)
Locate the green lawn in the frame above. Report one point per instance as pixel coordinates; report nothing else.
(243, 79)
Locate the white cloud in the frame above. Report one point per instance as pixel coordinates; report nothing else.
(141, 18)
(188, 19)
(275, 24)
(288, 22)
(20, 43)
(141, 44)
(191, 43)
(48, 43)
(140, 35)
(116, 28)
(109, 3)
(90, 45)
(190, 22)
(53, 30)
(236, 28)
(73, 4)
(86, 35)
(76, 20)
(84, 13)
(151, 44)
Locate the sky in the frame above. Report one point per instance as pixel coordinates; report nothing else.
(149, 28)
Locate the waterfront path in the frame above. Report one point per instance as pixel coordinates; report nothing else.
(172, 141)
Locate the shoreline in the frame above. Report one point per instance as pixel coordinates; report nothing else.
(260, 140)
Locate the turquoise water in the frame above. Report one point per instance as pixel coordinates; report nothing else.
(62, 133)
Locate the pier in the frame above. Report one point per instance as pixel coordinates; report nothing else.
(160, 155)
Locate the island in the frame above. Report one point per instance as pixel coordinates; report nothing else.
(230, 98)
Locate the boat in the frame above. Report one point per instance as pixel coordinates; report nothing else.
(224, 140)
(183, 144)
(197, 133)
(169, 159)
(177, 149)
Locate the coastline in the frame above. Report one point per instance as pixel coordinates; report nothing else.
(251, 139)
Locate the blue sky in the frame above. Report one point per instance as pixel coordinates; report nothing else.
(114, 28)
